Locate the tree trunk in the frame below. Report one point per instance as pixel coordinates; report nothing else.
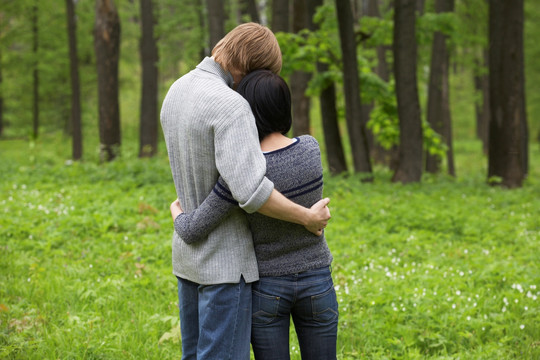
(356, 124)
(378, 153)
(481, 83)
(438, 108)
(280, 15)
(107, 46)
(1, 99)
(410, 125)
(249, 7)
(299, 79)
(216, 21)
(149, 106)
(327, 102)
(508, 152)
(76, 128)
(420, 5)
(35, 43)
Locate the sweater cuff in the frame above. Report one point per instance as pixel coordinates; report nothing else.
(259, 197)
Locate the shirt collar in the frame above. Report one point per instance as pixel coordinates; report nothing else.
(210, 65)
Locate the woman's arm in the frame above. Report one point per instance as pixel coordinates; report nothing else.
(197, 224)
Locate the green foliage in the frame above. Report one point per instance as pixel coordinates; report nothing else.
(445, 269)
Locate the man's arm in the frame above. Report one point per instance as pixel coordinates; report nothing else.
(314, 219)
(242, 165)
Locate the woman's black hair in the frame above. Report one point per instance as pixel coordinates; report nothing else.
(270, 100)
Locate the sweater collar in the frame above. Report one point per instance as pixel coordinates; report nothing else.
(211, 66)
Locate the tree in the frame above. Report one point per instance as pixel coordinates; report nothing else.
(148, 133)
(249, 7)
(107, 47)
(410, 125)
(438, 108)
(508, 143)
(35, 45)
(280, 15)
(356, 124)
(481, 84)
(299, 79)
(327, 103)
(76, 129)
(1, 99)
(216, 21)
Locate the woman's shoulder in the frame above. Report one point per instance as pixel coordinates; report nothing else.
(308, 141)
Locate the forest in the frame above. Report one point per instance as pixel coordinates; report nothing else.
(427, 113)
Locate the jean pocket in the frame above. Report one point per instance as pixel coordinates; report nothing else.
(265, 308)
(325, 306)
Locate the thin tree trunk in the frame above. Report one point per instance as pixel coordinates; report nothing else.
(327, 102)
(107, 46)
(438, 109)
(76, 128)
(149, 59)
(216, 21)
(299, 79)
(1, 100)
(280, 15)
(410, 126)
(508, 152)
(35, 44)
(356, 123)
(481, 83)
(249, 7)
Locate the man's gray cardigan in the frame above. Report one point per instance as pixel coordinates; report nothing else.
(210, 131)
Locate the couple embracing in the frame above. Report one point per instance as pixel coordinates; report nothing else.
(249, 250)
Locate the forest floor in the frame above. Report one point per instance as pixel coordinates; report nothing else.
(445, 269)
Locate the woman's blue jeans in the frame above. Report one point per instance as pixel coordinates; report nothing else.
(310, 299)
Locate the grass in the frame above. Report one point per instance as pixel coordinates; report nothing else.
(444, 269)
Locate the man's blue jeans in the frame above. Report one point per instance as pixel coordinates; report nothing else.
(309, 297)
(215, 320)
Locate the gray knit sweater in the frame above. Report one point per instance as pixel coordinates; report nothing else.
(209, 130)
(281, 247)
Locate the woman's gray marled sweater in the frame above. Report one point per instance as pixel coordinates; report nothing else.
(280, 247)
(210, 130)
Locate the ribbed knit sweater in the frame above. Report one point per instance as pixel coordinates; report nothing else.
(209, 130)
(281, 247)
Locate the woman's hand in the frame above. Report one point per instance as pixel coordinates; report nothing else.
(176, 209)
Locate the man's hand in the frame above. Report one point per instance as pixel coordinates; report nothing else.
(176, 209)
(319, 214)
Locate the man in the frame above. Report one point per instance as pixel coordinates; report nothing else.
(210, 131)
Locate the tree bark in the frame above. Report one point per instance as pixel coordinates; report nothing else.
(299, 79)
(149, 106)
(438, 108)
(327, 103)
(356, 124)
(410, 126)
(280, 15)
(76, 128)
(249, 7)
(216, 21)
(1, 100)
(481, 83)
(35, 73)
(107, 46)
(508, 151)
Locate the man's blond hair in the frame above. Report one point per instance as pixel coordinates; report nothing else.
(248, 47)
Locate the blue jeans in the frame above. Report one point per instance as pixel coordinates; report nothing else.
(215, 320)
(309, 297)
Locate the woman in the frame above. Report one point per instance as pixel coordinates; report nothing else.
(294, 264)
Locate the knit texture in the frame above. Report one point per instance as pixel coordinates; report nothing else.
(209, 130)
(281, 247)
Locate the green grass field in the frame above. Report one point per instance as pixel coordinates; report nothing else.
(445, 269)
